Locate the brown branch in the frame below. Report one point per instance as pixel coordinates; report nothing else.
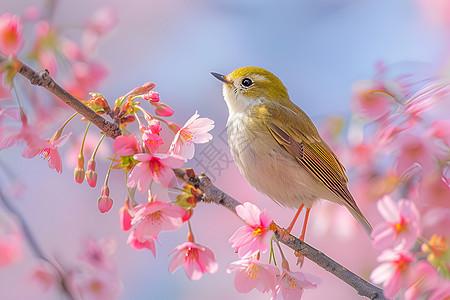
(210, 192)
(43, 79)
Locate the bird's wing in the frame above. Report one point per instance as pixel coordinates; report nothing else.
(310, 151)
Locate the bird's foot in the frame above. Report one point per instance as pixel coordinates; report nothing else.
(300, 258)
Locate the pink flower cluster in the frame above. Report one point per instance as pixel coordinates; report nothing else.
(250, 241)
(94, 277)
(405, 152)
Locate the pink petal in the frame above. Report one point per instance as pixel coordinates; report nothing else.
(383, 235)
(143, 157)
(243, 283)
(249, 213)
(170, 160)
(166, 177)
(140, 176)
(193, 269)
(388, 209)
(392, 285)
(177, 260)
(382, 273)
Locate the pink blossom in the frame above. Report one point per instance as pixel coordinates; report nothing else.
(126, 145)
(48, 150)
(196, 259)
(394, 272)
(442, 291)
(255, 235)
(251, 273)
(151, 140)
(97, 253)
(11, 241)
(97, 286)
(26, 134)
(402, 224)
(291, 285)
(6, 112)
(11, 34)
(424, 278)
(45, 275)
(373, 98)
(155, 217)
(125, 214)
(143, 243)
(415, 149)
(47, 60)
(440, 129)
(31, 14)
(104, 202)
(101, 23)
(195, 130)
(155, 166)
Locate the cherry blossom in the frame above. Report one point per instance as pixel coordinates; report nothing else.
(154, 217)
(251, 273)
(424, 278)
(394, 272)
(11, 31)
(48, 150)
(195, 130)
(142, 243)
(156, 166)
(291, 285)
(401, 224)
(255, 235)
(195, 258)
(97, 253)
(11, 241)
(151, 140)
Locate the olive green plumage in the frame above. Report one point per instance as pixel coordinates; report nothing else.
(277, 147)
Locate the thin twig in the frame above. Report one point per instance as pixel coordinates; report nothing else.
(210, 192)
(34, 246)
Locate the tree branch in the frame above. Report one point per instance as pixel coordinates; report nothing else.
(210, 192)
(43, 79)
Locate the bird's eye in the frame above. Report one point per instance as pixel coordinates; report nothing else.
(247, 82)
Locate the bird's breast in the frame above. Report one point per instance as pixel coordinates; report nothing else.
(267, 166)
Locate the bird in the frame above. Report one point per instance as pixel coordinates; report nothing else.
(278, 149)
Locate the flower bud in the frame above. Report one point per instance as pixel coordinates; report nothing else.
(163, 110)
(98, 104)
(91, 175)
(104, 202)
(151, 96)
(79, 170)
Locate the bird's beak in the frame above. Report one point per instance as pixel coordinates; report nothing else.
(221, 77)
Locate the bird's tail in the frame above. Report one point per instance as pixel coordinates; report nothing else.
(356, 212)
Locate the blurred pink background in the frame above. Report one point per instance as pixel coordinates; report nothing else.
(317, 48)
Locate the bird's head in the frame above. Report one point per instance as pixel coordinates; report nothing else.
(250, 86)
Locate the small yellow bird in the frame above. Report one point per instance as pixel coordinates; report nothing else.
(277, 147)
